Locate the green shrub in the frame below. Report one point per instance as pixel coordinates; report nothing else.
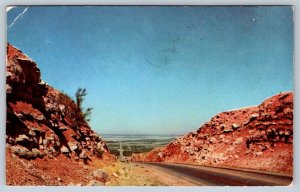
(82, 114)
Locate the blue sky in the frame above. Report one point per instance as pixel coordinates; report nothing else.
(159, 69)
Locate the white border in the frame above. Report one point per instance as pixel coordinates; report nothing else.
(4, 3)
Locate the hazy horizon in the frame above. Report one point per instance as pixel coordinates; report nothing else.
(159, 69)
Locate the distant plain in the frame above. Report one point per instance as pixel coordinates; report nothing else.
(136, 143)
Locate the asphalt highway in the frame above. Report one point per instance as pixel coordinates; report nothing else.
(212, 176)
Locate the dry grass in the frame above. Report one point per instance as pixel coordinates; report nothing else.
(132, 174)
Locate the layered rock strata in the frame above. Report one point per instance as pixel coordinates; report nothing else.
(40, 119)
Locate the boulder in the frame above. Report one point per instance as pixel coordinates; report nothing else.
(62, 107)
(57, 143)
(254, 116)
(64, 149)
(73, 146)
(11, 140)
(281, 132)
(238, 141)
(258, 153)
(45, 142)
(20, 151)
(212, 140)
(235, 126)
(31, 132)
(83, 155)
(223, 126)
(63, 128)
(227, 130)
(36, 153)
(25, 153)
(99, 174)
(38, 117)
(22, 138)
(9, 89)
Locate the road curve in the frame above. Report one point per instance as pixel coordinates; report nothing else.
(212, 176)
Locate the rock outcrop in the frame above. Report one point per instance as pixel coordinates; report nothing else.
(259, 137)
(41, 121)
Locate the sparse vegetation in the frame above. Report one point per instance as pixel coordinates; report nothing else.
(73, 110)
(81, 112)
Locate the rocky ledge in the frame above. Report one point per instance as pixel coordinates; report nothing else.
(259, 137)
(41, 120)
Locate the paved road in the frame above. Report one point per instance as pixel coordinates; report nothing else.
(212, 176)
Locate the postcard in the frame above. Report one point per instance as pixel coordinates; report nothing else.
(149, 95)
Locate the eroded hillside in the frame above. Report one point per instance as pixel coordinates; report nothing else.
(258, 137)
(47, 142)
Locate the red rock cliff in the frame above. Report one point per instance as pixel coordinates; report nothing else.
(40, 119)
(254, 137)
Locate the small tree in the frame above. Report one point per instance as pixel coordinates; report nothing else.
(82, 114)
